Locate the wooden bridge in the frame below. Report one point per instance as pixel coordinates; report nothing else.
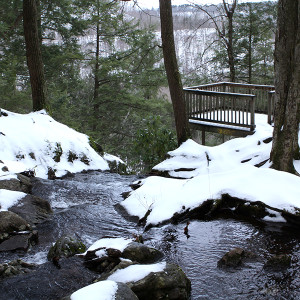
(228, 108)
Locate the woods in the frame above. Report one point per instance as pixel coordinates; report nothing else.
(98, 69)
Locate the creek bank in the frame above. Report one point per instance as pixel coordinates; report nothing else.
(254, 212)
(18, 223)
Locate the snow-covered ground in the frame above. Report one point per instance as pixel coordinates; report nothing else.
(36, 142)
(210, 172)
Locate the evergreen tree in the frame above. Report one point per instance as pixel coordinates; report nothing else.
(255, 25)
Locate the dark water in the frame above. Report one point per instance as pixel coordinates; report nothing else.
(84, 205)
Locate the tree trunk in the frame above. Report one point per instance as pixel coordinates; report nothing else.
(287, 85)
(229, 10)
(230, 48)
(250, 37)
(34, 54)
(173, 75)
(96, 105)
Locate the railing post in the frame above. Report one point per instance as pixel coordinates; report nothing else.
(252, 112)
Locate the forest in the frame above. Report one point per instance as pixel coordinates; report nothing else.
(104, 72)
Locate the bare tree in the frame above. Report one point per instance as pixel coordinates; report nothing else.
(223, 23)
(287, 85)
(33, 54)
(173, 75)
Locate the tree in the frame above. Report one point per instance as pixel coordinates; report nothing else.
(287, 85)
(173, 75)
(34, 54)
(254, 31)
(224, 23)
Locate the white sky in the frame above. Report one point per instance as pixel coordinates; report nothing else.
(155, 3)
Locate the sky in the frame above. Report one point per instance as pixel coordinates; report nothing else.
(155, 3)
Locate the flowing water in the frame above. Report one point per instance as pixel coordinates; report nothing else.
(85, 205)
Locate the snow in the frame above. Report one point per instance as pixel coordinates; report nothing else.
(223, 157)
(136, 272)
(225, 169)
(115, 243)
(102, 290)
(30, 142)
(9, 198)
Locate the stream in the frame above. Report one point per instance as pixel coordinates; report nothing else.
(85, 205)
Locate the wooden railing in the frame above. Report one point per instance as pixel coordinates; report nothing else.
(236, 111)
(260, 91)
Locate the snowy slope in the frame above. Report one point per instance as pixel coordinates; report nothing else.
(35, 141)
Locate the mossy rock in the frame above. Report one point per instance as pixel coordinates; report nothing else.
(278, 263)
(66, 246)
(235, 258)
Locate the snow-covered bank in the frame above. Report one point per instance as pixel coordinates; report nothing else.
(211, 172)
(37, 142)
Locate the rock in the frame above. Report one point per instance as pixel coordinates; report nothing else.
(22, 184)
(65, 246)
(5, 169)
(278, 263)
(15, 267)
(20, 241)
(33, 209)
(171, 284)
(125, 293)
(141, 253)
(15, 232)
(122, 265)
(234, 258)
(11, 223)
(47, 282)
(105, 263)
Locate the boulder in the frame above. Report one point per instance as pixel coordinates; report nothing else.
(278, 263)
(235, 258)
(15, 267)
(125, 293)
(171, 284)
(65, 246)
(22, 184)
(11, 223)
(33, 209)
(20, 241)
(48, 282)
(141, 253)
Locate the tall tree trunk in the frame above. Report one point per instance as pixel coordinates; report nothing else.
(230, 49)
(34, 54)
(250, 37)
(96, 105)
(287, 85)
(229, 10)
(173, 75)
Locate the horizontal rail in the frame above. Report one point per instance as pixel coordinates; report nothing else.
(234, 84)
(214, 93)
